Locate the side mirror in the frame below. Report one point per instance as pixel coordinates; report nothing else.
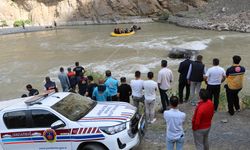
(58, 124)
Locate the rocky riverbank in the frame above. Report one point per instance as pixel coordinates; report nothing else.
(64, 24)
(221, 15)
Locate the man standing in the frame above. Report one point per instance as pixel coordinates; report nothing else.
(183, 70)
(234, 75)
(174, 119)
(137, 90)
(165, 77)
(195, 75)
(72, 79)
(90, 87)
(202, 121)
(78, 70)
(124, 91)
(32, 91)
(214, 77)
(112, 85)
(150, 88)
(50, 85)
(64, 80)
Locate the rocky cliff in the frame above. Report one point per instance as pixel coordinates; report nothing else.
(45, 12)
(204, 14)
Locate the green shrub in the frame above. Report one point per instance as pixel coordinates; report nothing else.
(246, 101)
(95, 75)
(19, 23)
(28, 21)
(3, 23)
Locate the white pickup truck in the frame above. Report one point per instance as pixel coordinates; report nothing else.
(67, 121)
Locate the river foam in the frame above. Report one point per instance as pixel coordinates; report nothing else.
(163, 43)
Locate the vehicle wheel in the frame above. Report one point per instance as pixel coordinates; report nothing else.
(93, 147)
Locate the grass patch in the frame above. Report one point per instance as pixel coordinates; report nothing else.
(246, 101)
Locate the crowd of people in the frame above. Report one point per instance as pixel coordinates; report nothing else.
(143, 93)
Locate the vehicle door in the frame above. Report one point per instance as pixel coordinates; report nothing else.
(17, 134)
(46, 138)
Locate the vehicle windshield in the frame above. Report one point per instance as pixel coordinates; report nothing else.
(74, 106)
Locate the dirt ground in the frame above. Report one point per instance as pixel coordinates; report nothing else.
(232, 135)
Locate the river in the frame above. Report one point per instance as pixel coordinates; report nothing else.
(29, 57)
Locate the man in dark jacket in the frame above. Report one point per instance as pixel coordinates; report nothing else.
(50, 85)
(31, 90)
(183, 70)
(195, 75)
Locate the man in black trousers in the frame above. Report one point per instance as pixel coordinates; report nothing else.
(183, 70)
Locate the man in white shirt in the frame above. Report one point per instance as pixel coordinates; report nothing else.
(165, 77)
(137, 90)
(214, 77)
(174, 119)
(150, 88)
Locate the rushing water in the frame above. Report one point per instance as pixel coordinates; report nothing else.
(29, 57)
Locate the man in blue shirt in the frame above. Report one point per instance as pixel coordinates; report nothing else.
(112, 85)
(101, 92)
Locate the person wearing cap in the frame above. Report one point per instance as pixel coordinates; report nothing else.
(174, 119)
(124, 91)
(112, 85)
(183, 83)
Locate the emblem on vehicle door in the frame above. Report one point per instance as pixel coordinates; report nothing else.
(49, 135)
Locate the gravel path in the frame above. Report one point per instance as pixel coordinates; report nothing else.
(223, 136)
(8, 30)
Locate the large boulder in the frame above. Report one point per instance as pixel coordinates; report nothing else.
(180, 53)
